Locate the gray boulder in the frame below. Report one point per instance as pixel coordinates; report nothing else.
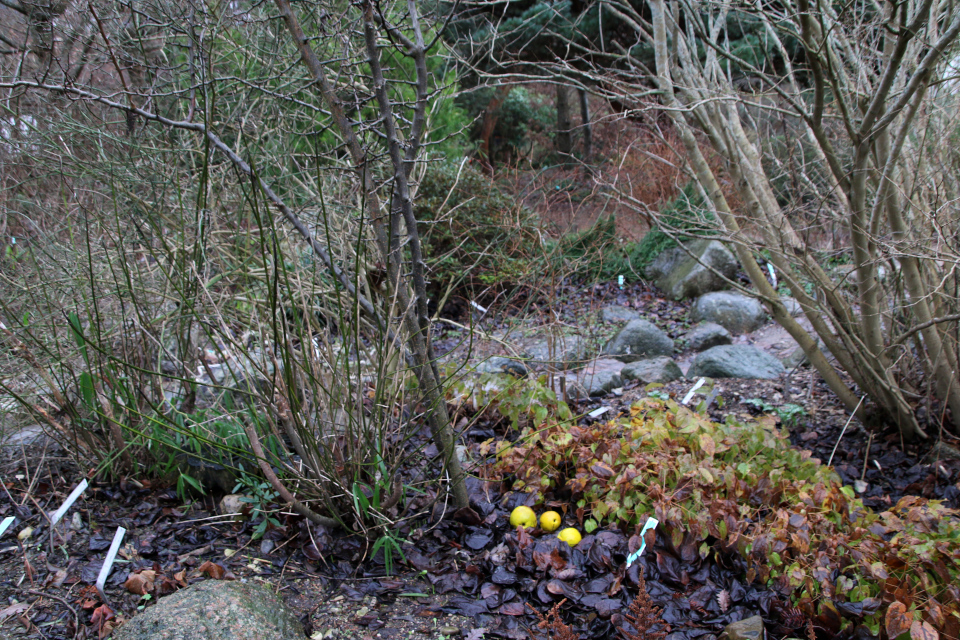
(736, 361)
(660, 369)
(618, 314)
(568, 352)
(601, 383)
(639, 339)
(692, 272)
(215, 610)
(707, 335)
(733, 311)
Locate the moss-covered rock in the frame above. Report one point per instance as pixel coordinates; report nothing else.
(215, 610)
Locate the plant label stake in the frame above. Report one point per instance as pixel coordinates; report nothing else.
(59, 513)
(6, 524)
(108, 561)
(690, 393)
(650, 524)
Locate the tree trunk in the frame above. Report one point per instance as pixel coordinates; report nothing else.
(587, 127)
(564, 142)
(489, 123)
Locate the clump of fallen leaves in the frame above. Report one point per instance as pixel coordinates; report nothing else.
(552, 626)
(644, 616)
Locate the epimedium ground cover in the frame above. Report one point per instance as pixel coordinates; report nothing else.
(740, 487)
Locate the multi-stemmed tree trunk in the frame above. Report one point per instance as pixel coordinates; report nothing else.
(377, 120)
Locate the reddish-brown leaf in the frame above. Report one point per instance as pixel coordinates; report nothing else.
(923, 631)
(602, 470)
(212, 569)
(898, 620)
(100, 616)
(140, 583)
(515, 608)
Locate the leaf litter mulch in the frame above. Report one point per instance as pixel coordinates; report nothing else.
(469, 573)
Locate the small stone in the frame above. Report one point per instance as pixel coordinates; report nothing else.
(362, 611)
(25, 534)
(450, 631)
(749, 629)
(233, 504)
(76, 522)
(860, 486)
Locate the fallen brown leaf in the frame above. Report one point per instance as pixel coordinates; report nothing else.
(140, 583)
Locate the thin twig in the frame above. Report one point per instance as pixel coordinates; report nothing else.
(76, 618)
(844, 430)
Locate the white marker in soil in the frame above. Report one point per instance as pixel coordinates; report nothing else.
(596, 413)
(59, 513)
(6, 524)
(478, 307)
(108, 561)
(690, 393)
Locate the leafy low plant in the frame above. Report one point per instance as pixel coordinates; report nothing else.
(390, 545)
(740, 486)
(259, 495)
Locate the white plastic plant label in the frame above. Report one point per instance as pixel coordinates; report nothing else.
(651, 523)
(108, 561)
(59, 513)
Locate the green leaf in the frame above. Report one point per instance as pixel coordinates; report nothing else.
(590, 525)
(87, 390)
(77, 330)
(848, 491)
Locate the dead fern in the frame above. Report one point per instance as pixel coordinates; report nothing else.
(644, 616)
(552, 625)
